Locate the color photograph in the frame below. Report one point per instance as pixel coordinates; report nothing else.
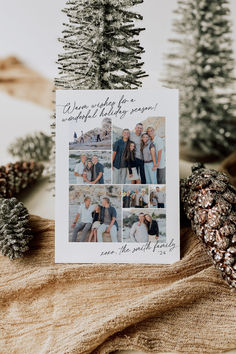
(158, 196)
(84, 136)
(90, 167)
(144, 225)
(139, 152)
(94, 214)
(135, 196)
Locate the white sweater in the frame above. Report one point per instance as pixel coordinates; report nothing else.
(139, 233)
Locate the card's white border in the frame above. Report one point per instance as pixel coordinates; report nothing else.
(68, 252)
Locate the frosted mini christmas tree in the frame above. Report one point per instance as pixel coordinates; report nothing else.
(201, 65)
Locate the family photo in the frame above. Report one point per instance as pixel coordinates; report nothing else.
(94, 214)
(158, 196)
(90, 167)
(139, 153)
(144, 225)
(84, 137)
(135, 197)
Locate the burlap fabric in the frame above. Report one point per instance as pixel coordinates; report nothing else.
(71, 308)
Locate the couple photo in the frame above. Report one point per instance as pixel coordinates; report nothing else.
(144, 226)
(90, 168)
(95, 218)
(139, 154)
(85, 137)
(158, 196)
(135, 197)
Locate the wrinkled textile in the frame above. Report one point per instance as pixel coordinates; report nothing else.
(71, 308)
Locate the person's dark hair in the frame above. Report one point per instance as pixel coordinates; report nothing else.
(128, 154)
(152, 194)
(107, 200)
(139, 124)
(99, 213)
(140, 201)
(142, 143)
(87, 168)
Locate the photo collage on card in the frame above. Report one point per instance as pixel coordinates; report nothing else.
(117, 181)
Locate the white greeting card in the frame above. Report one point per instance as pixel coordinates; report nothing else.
(117, 176)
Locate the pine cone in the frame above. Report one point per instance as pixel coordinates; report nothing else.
(210, 203)
(14, 231)
(15, 177)
(33, 147)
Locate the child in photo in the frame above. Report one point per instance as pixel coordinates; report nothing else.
(87, 173)
(132, 164)
(96, 223)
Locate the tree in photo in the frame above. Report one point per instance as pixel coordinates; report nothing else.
(101, 46)
(201, 66)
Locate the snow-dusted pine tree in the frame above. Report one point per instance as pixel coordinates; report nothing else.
(101, 49)
(201, 65)
(101, 46)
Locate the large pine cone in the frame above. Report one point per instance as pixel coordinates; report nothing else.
(33, 147)
(210, 203)
(14, 231)
(15, 177)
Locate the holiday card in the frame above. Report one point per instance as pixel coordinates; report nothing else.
(117, 176)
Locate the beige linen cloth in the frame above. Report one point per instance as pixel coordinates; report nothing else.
(71, 308)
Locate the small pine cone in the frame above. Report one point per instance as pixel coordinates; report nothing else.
(209, 201)
(33, 147)
(15, 233)
(15, 177)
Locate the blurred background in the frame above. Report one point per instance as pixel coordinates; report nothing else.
(29, 31)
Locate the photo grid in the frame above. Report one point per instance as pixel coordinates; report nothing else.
(117, 182)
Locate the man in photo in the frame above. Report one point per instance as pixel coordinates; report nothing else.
(136, 138)
(79, 170)
(108, 221)
(126, 200)
(118, 159)
(97, 172)
(160, 198)
(145, 197)
(85, 214)
(139, 231)
(160, 151)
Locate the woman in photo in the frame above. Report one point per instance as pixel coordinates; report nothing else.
(141, 203)
(133, 200)
(96, 223)
(132, 167)
(149, 158)
(87, 173)
(126, 200)
(153, 200)
(152, 227)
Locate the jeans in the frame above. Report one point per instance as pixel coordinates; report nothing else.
(151, 176)
(102, 229)
(140, 165)
(119, 175)
(81, 226)
(161, 175)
